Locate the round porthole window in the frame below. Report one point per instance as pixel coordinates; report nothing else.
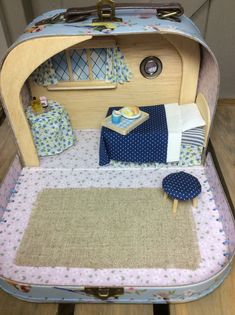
(151, 67)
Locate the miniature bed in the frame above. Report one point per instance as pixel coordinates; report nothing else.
(189, 74)
(163, 130)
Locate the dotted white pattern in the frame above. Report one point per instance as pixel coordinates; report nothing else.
(140, 144)
(181, 186)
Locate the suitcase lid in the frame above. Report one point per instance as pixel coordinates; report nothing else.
(33, 44)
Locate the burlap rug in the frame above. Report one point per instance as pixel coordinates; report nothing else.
(109, 228)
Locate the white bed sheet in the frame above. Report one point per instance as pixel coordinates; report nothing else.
(180, 118)
(174, 124)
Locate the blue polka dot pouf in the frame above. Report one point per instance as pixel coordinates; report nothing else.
(181, 186)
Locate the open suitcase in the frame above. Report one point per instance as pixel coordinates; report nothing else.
(85, 64)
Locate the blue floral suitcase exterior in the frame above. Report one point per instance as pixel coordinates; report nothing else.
(134, 58)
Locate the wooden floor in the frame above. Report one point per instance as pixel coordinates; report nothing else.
(7, 148)
(220, 302)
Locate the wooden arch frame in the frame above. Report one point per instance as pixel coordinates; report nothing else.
(189, 51)
(17, 67)
(27, 56)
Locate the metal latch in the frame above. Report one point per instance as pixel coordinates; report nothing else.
(104, 293)
(106, 11)
(172, 14)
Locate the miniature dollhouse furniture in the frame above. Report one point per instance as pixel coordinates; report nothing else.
(52, 131)
(172, 129)
(186, 74)
(162, 131)
(181, 186)
(138, 145)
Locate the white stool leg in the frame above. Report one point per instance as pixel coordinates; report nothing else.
(165, 196)
(175, 205)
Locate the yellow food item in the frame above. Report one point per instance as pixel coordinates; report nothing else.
(130, 111)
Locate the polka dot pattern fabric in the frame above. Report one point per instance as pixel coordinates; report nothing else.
(146, 143)
(181, 186)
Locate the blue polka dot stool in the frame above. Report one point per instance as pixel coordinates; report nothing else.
(181, 186)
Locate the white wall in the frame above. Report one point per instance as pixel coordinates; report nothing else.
(3, 41)
(14, 17)
(220, 36)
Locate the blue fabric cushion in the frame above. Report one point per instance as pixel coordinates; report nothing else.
(146, 143)
(181, 186)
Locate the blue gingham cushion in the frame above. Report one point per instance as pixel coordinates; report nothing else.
(181, 186)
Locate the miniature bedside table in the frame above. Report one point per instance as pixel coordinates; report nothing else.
(181, 186)
(51, 130)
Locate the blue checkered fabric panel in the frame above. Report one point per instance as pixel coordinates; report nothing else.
(98, 61)
(124, 123)
(60, 65)
(181, 186)
(80, 65)
(146, 143)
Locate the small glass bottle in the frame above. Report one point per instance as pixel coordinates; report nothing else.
(36, 106)
(43, 101)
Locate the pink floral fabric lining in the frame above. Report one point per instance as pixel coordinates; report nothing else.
(211, 236)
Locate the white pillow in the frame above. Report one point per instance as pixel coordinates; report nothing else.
(191, 117)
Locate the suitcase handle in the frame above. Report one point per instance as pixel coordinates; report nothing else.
(105, 9)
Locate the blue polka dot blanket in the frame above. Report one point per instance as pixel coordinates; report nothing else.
(181, 186)
(141, 143)
(157, 140)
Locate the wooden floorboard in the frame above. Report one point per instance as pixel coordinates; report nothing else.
(66, 309)
(113, 309)
(226, 101)
(223, 140)
(12, 306)
(8, 148)
(222, 300)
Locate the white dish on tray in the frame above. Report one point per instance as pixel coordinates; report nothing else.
(133, 117)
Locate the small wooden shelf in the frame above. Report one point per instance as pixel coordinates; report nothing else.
(82, 85)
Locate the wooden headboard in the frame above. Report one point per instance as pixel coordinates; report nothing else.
(205, 112)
